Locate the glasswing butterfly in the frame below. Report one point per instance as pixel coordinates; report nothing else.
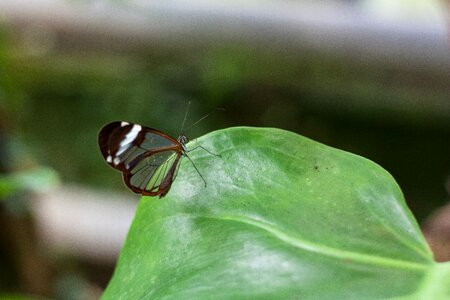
(148, 158)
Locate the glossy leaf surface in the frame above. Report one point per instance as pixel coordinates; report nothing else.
(282, 217)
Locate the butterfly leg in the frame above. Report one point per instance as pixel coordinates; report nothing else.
(196, 168)
(205, 150)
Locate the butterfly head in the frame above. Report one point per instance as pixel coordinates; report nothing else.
(183, 140)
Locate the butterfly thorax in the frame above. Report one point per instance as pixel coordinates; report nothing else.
(183, 140)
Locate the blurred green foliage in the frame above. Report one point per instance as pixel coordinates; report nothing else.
(58, 101)
(33, 180)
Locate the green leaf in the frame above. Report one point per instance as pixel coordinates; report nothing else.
(282, 217)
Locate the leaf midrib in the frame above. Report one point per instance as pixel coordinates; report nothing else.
(316, 248)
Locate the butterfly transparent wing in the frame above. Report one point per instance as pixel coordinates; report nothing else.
(148, 158)
(148, 175)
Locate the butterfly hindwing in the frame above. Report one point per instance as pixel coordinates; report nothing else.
(154, 174)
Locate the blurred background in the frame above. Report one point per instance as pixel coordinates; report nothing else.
(368, 76)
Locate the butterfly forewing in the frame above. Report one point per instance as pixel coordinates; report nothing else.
(148, 158)
(123, 145)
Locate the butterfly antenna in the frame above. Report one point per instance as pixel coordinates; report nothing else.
(204, 117)
(185, 116)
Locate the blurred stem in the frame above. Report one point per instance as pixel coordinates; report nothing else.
(30, 267)
(17, 236)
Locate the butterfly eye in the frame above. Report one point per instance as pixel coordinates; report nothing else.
(182, 139)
